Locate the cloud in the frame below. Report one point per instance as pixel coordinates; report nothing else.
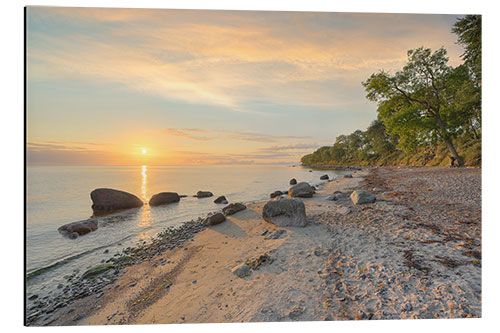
(226, 57)
(191, 133)
(295, 147)
(69, 153)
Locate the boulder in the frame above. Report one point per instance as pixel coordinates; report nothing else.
(233, 208)
(301, 190)
(275, 194)
(324, 177)
(204, 194)
(348, 176)
(107, 199)
(214, 219)
(164, 198)
(360, 197)
(285, 213)
(293, 181)
(75, 229)
(221, 200)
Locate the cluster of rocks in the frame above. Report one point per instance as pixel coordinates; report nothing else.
(217, 217)
(107, 200)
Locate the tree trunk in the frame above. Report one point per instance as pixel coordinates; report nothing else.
(448, 142)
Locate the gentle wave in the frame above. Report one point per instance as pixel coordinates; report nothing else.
(41, 270)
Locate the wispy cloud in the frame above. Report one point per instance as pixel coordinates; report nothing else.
(192, 133)
(226, 58)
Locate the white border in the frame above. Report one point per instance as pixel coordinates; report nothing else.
(12, 158)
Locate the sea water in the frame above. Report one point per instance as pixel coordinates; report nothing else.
(57, 195)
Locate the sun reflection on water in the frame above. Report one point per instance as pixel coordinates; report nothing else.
(145, 219)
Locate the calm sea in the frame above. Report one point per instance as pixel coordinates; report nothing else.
(57, 195)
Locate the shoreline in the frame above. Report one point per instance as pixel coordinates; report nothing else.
(304, 279)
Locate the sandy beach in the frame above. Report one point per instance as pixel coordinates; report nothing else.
(414, 253)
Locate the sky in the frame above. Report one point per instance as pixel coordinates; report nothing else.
(187, 87)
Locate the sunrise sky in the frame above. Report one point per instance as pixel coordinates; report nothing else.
(142, 86)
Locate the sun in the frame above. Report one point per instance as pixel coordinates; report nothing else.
(144, 151)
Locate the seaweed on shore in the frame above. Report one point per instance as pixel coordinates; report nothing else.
(412, 262)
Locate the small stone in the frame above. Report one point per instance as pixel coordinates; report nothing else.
(241, 270)
(406, 307)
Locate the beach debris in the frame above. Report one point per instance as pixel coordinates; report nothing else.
(285, 212)
(221, 200)
(275, 194)
(214, 219)
(360, 197)
(301, 190)
(343, 210)
(241, 270)
(261, 260)
(296, 311)
(324, 177)
(336, 196)
(78, 228)
(233, 208)
(107, 199)
(96, 270)
(293, 181)
(164, 198)
(406, 307)
(276, 235)
(204, 194)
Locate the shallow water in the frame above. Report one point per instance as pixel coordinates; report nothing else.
(57, 195)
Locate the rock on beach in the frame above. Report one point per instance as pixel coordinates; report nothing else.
(293, 181)
(221, 200)
(285, 213)
(233, 208)
(78, 228)
(301, 190)
(324, 177)
(107, 199)
(164, 198)
(214, 219)
(360, 197)
(275, 194)
(204, 194)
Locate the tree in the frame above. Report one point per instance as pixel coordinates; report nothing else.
(468, 30)
(413, 102)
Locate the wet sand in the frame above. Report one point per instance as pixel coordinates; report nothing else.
(414, 253)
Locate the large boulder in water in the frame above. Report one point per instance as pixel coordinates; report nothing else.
(221, 200)
(301, 190)
(360, 197)
(233, 208)
(214, 219)
(78, 228)
(164, 198)
(204, 194)
(107, 199)
(285, 213)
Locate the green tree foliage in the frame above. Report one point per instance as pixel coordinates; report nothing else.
(468, 30)
(424, 110)
(417, 103)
